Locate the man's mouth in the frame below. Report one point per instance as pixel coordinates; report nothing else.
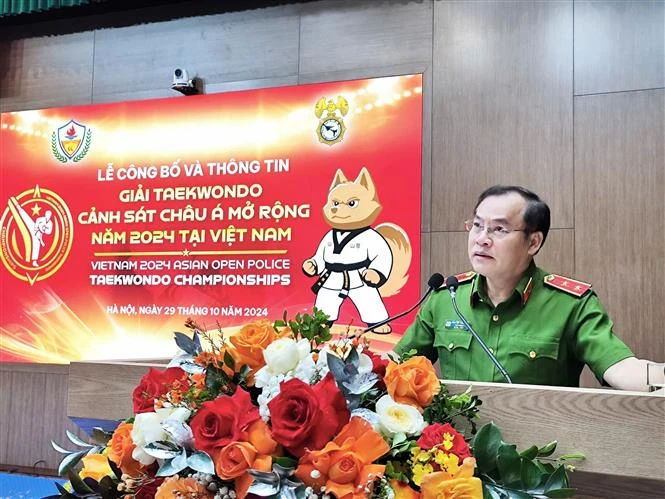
(482, 255)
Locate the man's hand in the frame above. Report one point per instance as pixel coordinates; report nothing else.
(631, 374)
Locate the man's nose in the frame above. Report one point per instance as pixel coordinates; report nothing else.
(483, 238)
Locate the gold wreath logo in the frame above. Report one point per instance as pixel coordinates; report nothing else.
(331, 127)
(36, 234)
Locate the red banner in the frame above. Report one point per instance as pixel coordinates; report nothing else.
(119, 221)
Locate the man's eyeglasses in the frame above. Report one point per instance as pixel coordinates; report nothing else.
(496, 231)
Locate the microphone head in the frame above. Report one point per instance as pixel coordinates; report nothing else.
(452, 283)
(436, 281)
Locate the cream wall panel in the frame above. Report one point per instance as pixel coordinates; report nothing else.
(620, 211)
(619, 45)
(350, 35)
(502, 105)
(46, 71)
(140, 60)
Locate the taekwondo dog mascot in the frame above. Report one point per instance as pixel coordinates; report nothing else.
(353, 259)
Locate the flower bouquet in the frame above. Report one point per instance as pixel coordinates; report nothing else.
(284, 410)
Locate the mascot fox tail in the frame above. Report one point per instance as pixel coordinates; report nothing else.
(401, 248)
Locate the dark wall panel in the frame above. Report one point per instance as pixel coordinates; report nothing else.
(502, 106)
(620, 211)
(46, 72)
(619, 45)
(138, 61)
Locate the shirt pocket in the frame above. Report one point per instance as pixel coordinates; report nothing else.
(532, 361)
(453, 349)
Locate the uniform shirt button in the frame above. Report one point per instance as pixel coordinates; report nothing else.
(532, 354)
(495, 318)
(450, 346)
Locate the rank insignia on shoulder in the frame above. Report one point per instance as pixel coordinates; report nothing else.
(465, 276)
(570, 286)
(450, 324)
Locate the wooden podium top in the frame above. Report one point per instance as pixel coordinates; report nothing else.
(622, 434)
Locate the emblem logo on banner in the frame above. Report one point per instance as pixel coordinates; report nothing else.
(36, 233)
(331, 126)
(71, 142)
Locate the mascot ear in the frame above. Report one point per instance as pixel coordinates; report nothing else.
(339, 179)
(365, 179)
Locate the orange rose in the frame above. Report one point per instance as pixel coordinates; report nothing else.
(233, 460)
(459, 485)
(403, 490)
(250, 342)
(120, 450)
(434, 487)
(344, 465)
(413, 382)
(176, 486)
(96, 466)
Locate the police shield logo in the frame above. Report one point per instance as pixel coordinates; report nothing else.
(70, 138)
(71, 142)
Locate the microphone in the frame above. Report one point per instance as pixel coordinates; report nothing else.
(452, 283)
(434, 282)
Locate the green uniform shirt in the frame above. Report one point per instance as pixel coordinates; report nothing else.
(540, 335)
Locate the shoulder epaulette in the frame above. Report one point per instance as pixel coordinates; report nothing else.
(465, 276)
(570, 286)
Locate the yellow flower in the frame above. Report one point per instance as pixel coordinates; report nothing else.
(95, 466)
(437, 486)
(419, 471)
(448, 441)
(448, 462)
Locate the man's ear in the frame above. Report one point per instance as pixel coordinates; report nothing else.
(535, 242)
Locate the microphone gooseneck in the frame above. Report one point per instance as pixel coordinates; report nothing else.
(433, 283)
(452, 283)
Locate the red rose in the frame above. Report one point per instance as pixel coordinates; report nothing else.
(154, 384)
(378, 367)
(447, 438)
(223, 420)
(148, 489)
(307, 417)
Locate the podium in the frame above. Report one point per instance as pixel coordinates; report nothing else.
(622, 434)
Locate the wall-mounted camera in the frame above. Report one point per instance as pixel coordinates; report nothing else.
(183, 84)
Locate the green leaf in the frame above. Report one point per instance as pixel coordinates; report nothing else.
(76, 440)
(70, 461)
(200, 461)
(560, 493)
(285, 462)
(101, 436)
(229, 360)
(569, 457)
(557, 480)
(59, 449)
(398, 439)
(485, 447)
(530, 453)
(492, 492)
(79, 486)
(187, 344)
(509, 463)
(530, 474)
(547, 449)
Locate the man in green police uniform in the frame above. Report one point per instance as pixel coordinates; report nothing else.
(542, 328)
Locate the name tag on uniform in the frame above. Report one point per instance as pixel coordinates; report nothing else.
(456, 325)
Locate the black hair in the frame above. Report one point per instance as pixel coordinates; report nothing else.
(536, 215)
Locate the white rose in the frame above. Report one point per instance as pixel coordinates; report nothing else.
(398, 418)
(283, 355)
(148, 428)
